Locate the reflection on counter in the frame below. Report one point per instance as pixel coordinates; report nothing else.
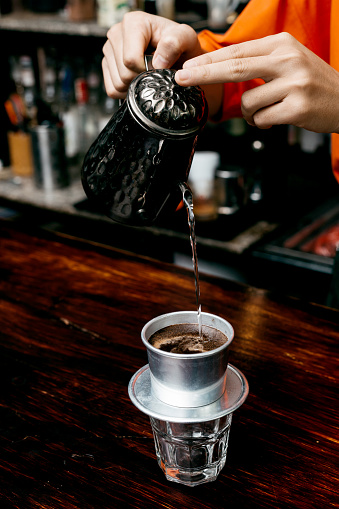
(313, 241)
(326, 243)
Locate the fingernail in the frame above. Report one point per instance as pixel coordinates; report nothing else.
(159, 62)
(183, 74)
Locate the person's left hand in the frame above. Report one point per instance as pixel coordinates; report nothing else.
(128, 41)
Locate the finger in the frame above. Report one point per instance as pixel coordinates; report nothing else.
(109, 86)
(257, 47)
(290, 110)
(146, 30)
(125, 73)
(121, 69)
(134, 48)
(275, 114)
(235, 70)
(261, 58)
(107, 78)
(117, 86)
(108, 67)
(262, 96)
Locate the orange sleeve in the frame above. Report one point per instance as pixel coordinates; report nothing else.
(307, 20)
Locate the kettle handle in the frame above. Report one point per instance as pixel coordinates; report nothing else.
(148, 62)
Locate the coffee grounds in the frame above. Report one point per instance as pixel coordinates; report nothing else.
(184, 339)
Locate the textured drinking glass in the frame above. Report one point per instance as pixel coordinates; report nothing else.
(191, 453)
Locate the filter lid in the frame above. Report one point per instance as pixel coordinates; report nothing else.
(140, 393)
(164, 107)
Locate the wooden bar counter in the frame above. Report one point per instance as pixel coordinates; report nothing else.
(70, 321)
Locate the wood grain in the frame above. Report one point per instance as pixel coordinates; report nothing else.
(70, 321)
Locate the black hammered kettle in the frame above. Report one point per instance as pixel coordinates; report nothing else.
(133, 169)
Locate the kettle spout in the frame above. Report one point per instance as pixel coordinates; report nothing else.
(186, 191)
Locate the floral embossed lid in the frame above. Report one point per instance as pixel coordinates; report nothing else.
(162, 106)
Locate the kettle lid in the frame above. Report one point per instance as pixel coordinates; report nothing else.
(165, 108)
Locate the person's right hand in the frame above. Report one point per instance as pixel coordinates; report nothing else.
(299, 88)
(139, 32)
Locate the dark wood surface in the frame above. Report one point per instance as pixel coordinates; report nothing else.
(70, 321)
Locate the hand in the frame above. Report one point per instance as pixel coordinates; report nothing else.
(299, 88)
(137, 33)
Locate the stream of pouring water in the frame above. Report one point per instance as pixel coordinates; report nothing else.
(188, 202)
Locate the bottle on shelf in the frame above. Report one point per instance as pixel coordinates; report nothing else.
(94, 106)
(82, 97)
(28, 84)
(21, 109)
(81, 10)
(68, 112)
(110, 12)
(49, 85)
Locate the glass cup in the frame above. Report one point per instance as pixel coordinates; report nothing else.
(165, 8)
(218, 11)
(191, 453)
(202, 183)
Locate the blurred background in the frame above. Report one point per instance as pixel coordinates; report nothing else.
(266, 202)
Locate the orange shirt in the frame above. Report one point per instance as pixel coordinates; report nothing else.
(312, 22)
